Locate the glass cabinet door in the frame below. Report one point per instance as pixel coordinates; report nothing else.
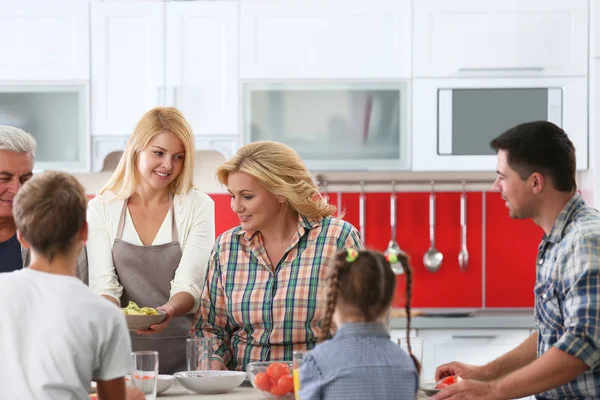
(56, 117)
(332, 126)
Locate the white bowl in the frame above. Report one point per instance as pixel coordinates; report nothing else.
(143, 322)
(164, 383)
(210, 382)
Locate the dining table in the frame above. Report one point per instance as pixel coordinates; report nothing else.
(178, 392)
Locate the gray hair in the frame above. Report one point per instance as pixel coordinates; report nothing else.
(17, 140)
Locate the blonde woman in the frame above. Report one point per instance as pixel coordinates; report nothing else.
(151, 233)
(260, 300)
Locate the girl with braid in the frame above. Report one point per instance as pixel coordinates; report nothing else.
(360, 362)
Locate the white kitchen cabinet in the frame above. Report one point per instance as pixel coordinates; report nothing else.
(44, 41)
(146, 54)
(202, 64)
(472, 346)
(325, 39)
(500, 37)
(128, 64)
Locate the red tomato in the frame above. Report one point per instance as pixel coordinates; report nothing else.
(445, 382)
(262, 382)
(277, 370)
(285, 384)
(276, 391)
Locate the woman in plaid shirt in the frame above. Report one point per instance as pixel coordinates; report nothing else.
(261, 299)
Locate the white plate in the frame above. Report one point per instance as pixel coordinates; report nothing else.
(210, 382)
(429, 388)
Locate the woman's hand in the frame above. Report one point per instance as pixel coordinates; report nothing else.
(217, 365)
(156, 328)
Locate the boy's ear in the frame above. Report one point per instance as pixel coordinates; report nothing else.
(83, 232)
(22, 240)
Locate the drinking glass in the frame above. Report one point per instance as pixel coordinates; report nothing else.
(297, 358)
(199, 354)
(145, 372)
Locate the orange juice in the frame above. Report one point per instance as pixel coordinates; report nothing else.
(296, 375)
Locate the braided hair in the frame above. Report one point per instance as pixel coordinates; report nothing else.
(404, 260)
(364, 280)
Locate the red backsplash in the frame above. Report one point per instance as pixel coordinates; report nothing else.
(511, 246)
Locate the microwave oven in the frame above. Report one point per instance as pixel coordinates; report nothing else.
(454, 120)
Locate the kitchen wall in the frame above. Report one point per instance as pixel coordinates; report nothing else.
(127, 68)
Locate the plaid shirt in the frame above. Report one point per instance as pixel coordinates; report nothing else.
(567, 295)
(259, 313)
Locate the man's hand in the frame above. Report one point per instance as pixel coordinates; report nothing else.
(468, 389)
(465, 371)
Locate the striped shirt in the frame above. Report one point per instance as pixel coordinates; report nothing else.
(260, 313)
(360, 362)
(567, 295)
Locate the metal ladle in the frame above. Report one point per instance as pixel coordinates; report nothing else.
(463, 255)
(393, 246)
(432, 258)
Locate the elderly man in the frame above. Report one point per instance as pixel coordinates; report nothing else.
(536, 177)
(17, 156)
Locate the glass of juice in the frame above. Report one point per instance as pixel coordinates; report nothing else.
(297, 358)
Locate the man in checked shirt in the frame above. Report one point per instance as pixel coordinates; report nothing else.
(536, 177)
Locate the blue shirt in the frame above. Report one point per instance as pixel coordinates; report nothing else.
(567, 295)
(10, 255)
(360, 362)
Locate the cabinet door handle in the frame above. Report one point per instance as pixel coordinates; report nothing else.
(474, 337)
(159, 96)
(505, 69)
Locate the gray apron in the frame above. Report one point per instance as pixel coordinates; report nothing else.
(146, 272)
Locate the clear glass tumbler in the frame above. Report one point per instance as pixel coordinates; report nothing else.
(199, 354)
(145, 372)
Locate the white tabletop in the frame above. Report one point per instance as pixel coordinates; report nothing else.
(177, 392)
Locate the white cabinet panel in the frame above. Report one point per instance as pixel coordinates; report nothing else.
(332, 39)
(202, 64)
(511, 37)
(127, 64)
(44, 41)
(472, 346)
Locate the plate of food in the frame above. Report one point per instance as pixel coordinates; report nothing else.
(431, 388)
(140, 318)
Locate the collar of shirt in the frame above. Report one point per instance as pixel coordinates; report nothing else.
(363, 329)
(303, 224)
(556, 234)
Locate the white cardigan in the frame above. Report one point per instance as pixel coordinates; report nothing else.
(195, 219)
